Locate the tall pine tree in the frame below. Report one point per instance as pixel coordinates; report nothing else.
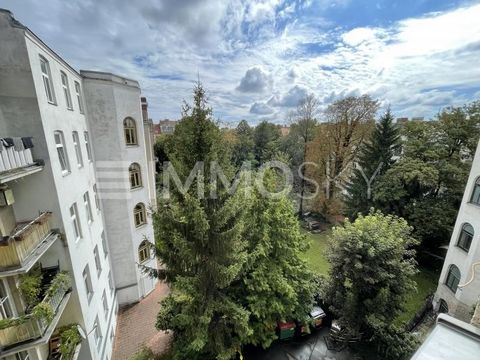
(376, 157)
(199, 241)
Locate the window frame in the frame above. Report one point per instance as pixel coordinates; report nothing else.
(475, 198)
(66, 90)
(135, 176)
(105, 304)
(144, 252)
(451, 278)
(140, 214)
(88, 206)
(78, 91)
(75, 219)
(47, 80)
(466, 237)
(104, 244)
(111, 285)
(86, 139)
(62, 152)
(98, 263)
(78, 149)
(6, 309)
(97, 333)
(87, 282)
(130, 131)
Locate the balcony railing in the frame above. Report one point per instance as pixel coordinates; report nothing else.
(16, 248)
(29, 327)
(11, 159)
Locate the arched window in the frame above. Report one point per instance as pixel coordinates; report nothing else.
(130, 131)
(144, 251)
(139, 215)
(453, 278)
(135, 176)
(476, 192)
(443, 307)
(466, 237)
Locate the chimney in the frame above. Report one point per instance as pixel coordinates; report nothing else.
(143, 100)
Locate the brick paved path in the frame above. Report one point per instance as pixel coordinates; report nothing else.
(136, 326)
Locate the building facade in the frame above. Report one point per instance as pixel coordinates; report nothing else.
(463, 253)
(125, 176)
(57, 241)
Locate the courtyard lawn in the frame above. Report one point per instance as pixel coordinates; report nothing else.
(426, 280)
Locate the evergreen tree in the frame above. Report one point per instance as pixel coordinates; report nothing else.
(243, 149)
(277, 284)
(199, 242)
(265, 138)
(376, 157)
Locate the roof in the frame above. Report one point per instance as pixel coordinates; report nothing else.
(451, 339)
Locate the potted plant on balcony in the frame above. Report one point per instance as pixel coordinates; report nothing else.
(30, 287)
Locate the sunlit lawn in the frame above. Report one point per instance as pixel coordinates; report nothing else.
(316, 259)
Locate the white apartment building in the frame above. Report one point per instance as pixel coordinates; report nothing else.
(54, 224)
(125, 177)
(463, 253)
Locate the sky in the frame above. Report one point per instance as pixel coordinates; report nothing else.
(258, 59)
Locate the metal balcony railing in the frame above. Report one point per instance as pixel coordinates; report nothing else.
(28, 327)
(16, 248)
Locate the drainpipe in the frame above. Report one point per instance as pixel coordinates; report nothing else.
(475, 321)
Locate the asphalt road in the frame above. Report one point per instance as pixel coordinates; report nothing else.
(311, 347)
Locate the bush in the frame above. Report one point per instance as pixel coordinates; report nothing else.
(69, 339)
(30, 287)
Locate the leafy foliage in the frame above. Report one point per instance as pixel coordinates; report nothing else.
(69, 339)
(30, 287)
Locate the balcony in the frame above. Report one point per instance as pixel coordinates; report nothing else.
(29, 241)
(35, 328)
(15, 163)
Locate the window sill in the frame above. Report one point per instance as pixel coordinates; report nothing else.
(474, 204)
(136, 188)
(132, 145)
(52, 103)
(141, 226)
(66, 172)
(69, 109)
(463, 249)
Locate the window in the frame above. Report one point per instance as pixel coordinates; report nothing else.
(105, 304)
(144, 251)
(130, 131)
(5, 307)
(443, 307)
(66, 90)
(95, 194)
(135, 176)
(88, 282)
(110, 281)
(476, 192)
(97, 334)
(78, 91)
(62, 152)
(139, 215)
(87, 145)
(88, 207)
(47, 80)
(466, 237)
(78, 151)
(453, 278)
(104, 244)
(75, 221)
(98, 265)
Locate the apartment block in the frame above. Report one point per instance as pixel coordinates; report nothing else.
(459, 284)
(63, 261)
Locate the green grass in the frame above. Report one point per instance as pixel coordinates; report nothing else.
(316, 256)
(426, 280)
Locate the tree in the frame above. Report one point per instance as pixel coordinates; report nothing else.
(372, 264)
(277, 284)
(265, 139)
(303, 127)
(243, 149)
(337, 143)
(199, 241)
(426, 185)
(375, 158)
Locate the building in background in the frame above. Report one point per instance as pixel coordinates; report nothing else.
(463, 253)
(125, 177)
(55, 227)
(165, 127)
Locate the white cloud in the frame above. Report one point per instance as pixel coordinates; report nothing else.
(261, 109)
(256, 80)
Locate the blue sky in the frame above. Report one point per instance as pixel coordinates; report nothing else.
(257, 59)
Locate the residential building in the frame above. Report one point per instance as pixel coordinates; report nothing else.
(166, 127)
(53, 220)
(125, 172)
(463, 254)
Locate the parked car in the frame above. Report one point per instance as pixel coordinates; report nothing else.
(290, 329)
